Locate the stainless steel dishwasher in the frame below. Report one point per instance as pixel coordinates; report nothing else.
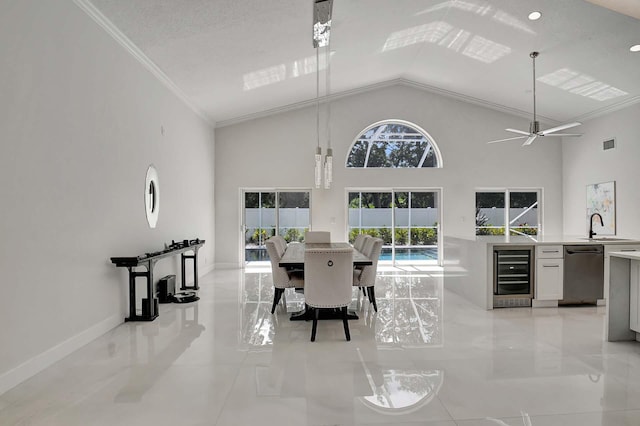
(583, 274)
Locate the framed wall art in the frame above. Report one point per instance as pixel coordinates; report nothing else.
(601, 198)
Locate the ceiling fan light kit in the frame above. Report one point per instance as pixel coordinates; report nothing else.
(534, 127)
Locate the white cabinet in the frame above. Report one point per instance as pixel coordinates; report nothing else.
(549, 272)
(549, 279)
(634, 296)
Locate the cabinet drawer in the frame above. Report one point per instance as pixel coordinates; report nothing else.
(549, 252)
(608, 248)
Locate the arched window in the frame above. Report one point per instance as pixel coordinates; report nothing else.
(394, 144)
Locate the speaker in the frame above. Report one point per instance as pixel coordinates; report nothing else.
(166, 289)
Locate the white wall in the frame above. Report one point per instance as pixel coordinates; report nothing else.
(277, 151)
(80, 120)
(585, 162)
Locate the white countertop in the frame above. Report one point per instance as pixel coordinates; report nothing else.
(633, 255)
(552, 239)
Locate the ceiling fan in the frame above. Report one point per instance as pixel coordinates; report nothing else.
(534, 126)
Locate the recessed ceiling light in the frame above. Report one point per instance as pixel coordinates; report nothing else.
(534, 16)
(635, 48)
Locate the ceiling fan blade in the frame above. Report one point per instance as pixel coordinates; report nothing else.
(529, 140)
(520, 132)
(562, 134)
(561, 127)
(508, 139)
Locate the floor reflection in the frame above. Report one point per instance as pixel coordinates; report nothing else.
(397, 390)
(409, 308)
(152, 352)
(410, 313)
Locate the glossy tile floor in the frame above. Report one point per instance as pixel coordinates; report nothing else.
(426, 358)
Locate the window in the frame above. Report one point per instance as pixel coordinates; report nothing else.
(512, 212)
(406, 220)
(394, 144)
(269, 212)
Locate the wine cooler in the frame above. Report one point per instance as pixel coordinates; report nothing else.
(512, 276)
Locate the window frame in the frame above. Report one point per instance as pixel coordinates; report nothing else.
(507, 200)
(424, 133)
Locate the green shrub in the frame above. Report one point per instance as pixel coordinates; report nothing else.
(293, 235)
(385, 234)
(423, 236)
(401, 236)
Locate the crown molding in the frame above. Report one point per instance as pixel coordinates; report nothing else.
(87, 7)
(608, 109)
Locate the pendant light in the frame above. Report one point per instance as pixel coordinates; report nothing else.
(318, 156)
(328, 160)
(321, 33)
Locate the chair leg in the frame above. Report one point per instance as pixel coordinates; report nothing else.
(345, 321)
(276, 298)
(316, 314)
(372, 298)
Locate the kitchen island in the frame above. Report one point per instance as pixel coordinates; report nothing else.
(469, 263)
(623, 309)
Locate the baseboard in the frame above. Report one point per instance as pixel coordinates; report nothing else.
(228, 265)
(535, 303)
(205, 270)
(44, 360)
(47, 358)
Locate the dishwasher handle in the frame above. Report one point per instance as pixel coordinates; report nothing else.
(583, 251)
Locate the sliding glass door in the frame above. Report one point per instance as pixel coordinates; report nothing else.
(267, 213)
(417, 218)
(407, 221)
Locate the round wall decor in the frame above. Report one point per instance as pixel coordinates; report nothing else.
(152, 196)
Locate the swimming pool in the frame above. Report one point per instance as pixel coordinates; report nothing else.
(402, 254)
(410, 254)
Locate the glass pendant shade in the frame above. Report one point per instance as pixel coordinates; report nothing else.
(328, 169)
(318, 168)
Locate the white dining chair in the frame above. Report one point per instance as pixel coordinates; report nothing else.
(358, 244)
(282, 279)
(365, 278)
(317, 237)
(279, 239)
(328, 282)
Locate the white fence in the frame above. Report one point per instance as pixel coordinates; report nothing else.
(495, 216)
(289, 218)
(381, 218)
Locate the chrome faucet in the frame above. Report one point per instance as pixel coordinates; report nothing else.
(591, 233)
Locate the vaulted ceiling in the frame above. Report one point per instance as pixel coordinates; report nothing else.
(238, 59)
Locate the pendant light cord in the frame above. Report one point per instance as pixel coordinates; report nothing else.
(318, 95)
(328, 89)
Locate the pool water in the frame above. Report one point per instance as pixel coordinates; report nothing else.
(414, 254)
(402, 254)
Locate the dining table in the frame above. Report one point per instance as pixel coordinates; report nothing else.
(293, 259)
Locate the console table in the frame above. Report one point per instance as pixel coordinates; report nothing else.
(148, 261)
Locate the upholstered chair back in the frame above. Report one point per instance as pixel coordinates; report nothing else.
(368, 275)
(280, 275)
(317, 237)
(281, 242)
(358, 244)
(367, 246)
(328, 275)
